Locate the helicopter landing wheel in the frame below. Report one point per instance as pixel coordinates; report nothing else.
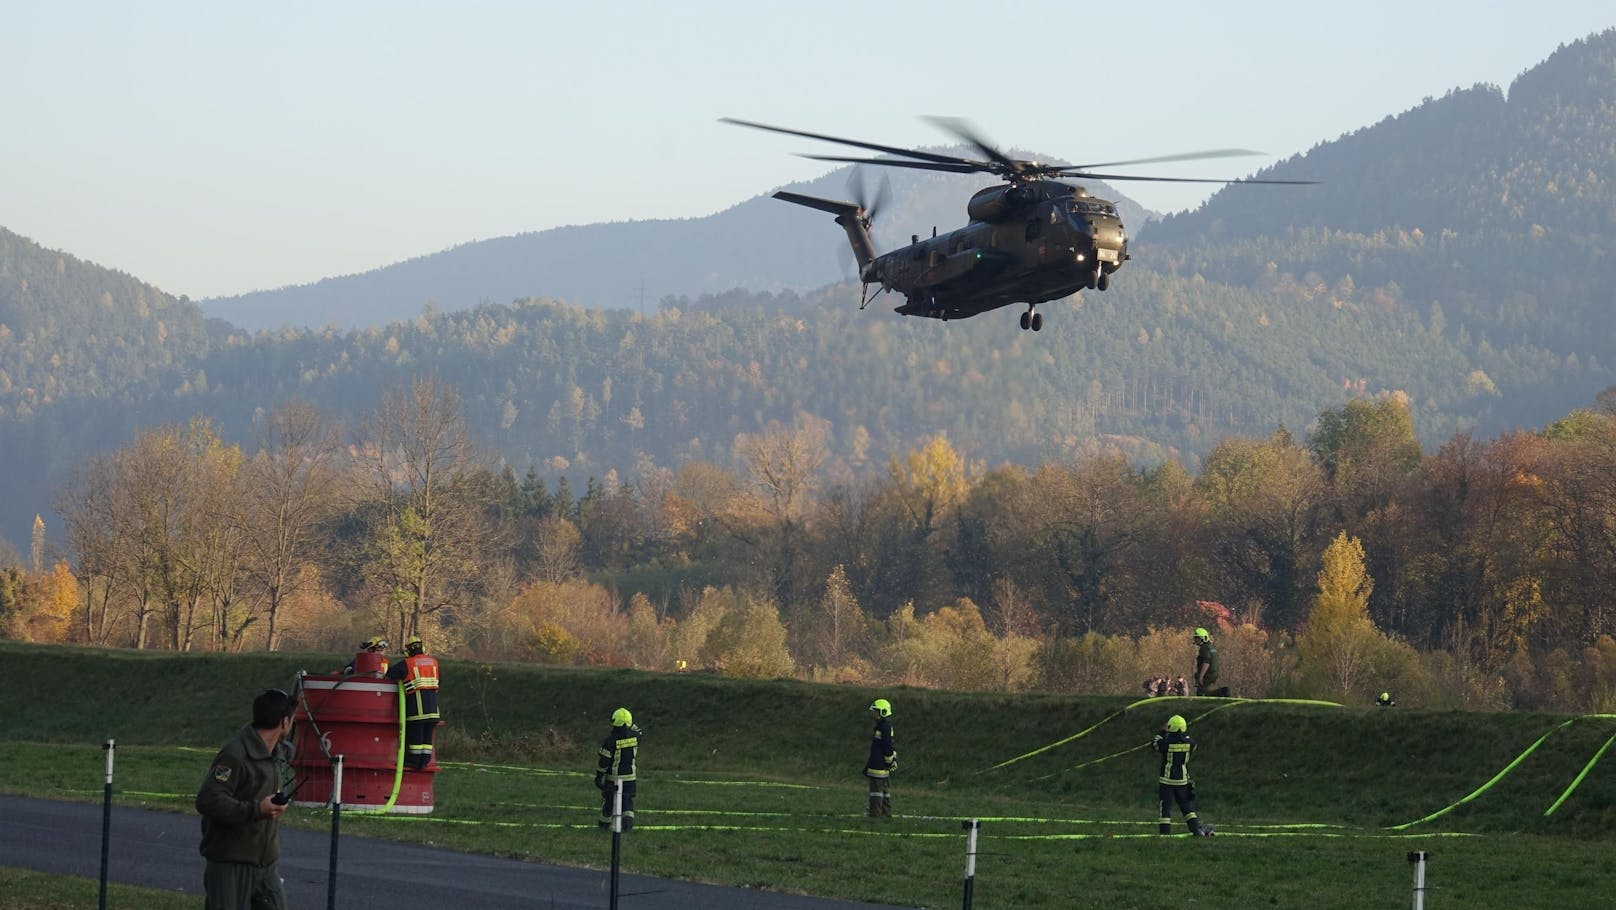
(1037, 321)
(1104, 282)
(1026, 320)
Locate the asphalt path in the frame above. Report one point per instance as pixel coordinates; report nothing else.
(159, 850)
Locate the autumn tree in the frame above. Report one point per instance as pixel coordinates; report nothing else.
(56, 599)
(834, 632)
(1337, 643)
(431, 532)
(750, 641)
(783, 464)
(948, 648)
(91, 506)
(927, 484)
(1262, 497)
(555, 550)
(288, 489)
(154, 524)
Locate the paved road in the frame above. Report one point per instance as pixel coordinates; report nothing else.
(158, 850)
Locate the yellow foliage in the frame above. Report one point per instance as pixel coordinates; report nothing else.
(585, 612)
(1339, 640)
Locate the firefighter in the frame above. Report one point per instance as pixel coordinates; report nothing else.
(1173, 747)
(371, 658)
(1206, 665)
(1385, 700)
(618, 767)
(882, 762)
(241, 806)
(417, 672)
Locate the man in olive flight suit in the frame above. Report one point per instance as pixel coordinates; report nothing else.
(241, 806)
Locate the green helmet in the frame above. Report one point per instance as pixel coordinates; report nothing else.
(1177, 724)
(621, 718)
(881, 707)
(1203, 635)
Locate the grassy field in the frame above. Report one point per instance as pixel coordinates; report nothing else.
(24, 889)
(758, 784)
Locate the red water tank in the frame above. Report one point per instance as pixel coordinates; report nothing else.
(359, 717)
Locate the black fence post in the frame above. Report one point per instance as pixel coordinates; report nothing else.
(106, 822)
(617, 836)
(336, 825)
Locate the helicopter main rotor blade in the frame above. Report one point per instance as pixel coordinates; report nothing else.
(952, 167)
(1186, 156)
(1091, 176)
(891, 150)
(965, 132)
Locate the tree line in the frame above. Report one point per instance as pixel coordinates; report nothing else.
(1337, 563)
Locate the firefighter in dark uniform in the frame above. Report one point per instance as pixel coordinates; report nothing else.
(1173, 785)
(618, 767)
(240, 812)
(1206, 665)
(882, 762)
(417, 672)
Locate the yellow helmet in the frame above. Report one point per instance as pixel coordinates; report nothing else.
(413, 645)
(1202, 635)
(622, 718)
(375, 643)
(1177, 724)
(881, 707)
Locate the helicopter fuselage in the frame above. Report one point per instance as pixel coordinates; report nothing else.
(1026, 243)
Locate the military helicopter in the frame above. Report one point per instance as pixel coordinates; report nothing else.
(1031, 240)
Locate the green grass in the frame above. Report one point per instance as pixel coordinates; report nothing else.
(758, 784)
(25, 889)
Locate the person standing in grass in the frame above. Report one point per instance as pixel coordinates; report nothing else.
(1173, 785)
(618, 767)
(1206, 665)
(241, 809)
(882, 762)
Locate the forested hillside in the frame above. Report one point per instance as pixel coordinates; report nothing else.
(1488, 214)
(70, 329)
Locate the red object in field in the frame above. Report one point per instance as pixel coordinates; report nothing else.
(369, 662)
(356, 717)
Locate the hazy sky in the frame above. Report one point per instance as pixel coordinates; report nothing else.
(215, 148)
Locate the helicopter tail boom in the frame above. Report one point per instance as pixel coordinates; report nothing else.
(849, 215)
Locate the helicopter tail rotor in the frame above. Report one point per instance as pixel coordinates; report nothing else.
(858, 187)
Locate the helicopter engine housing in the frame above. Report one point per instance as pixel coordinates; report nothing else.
(996, 203)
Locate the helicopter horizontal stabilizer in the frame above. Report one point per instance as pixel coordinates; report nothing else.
(849, 215)
(814, 202)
